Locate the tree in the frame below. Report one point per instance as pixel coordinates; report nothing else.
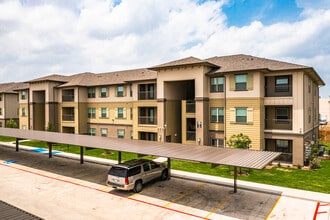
(11, 124)
(239, 141)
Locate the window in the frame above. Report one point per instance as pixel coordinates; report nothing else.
(241, 115)
(0, 111)
(104, 113)
(309, 115)
(91, 113)
(104, 92)
(120, 91)
(0, 97)
(23, 95)
(240, 82)
(283, 146)
(23, 112)
(282, 115)
(217, 115)
(147, 115)
(217, 84)
(120, 113)
(146, 91)
(92, 131)
(130, 90)
(91, 92)
(282, 84)
(104, 132)
(120, 133)
(217, 142)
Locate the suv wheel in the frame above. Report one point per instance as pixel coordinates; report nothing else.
(164, 175)
(138, 186)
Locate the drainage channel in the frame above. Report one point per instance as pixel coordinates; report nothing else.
(8, 211)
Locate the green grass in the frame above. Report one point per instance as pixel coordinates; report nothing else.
(7, 139)
(311, 180)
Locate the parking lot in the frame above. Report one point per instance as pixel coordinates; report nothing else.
(60, 188)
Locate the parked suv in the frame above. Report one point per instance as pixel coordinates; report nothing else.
(134, 173)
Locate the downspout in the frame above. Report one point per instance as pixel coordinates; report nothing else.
(225, 111)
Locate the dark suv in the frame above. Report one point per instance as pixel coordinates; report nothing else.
(134, 173)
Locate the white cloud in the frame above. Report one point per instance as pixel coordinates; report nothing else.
(38, 38)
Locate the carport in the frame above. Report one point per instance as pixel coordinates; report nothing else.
(206, 154)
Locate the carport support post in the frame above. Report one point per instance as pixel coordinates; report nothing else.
(119, 156)
(169, 168)
(81, 155)
(235, 179)
(17, 144)
(50, 146)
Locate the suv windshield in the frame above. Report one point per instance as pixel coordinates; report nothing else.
(118, 171)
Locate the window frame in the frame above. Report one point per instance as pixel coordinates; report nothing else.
(215, 85)
(91, 92)
(219, 116)
(119, 131)
(23, 95)
(104, 134)
(103, 94)
(120, 93)
(238, 118)
(91, 113)
(104, 113)
(282, 87)
(241, 86)
(282, 118)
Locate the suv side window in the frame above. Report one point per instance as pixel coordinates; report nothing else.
(146, 167)
(154, 165)
(134, 171)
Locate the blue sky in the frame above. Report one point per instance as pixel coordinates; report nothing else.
(41, 37)
(243, 12)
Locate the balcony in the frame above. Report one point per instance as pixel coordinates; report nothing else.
(190, 106)
(147, 92)
(191, 135)
(278, 117)
(68, 95)
(146, 95)
(68, 114)
(147, 120)
(278, 124)
(278, 86)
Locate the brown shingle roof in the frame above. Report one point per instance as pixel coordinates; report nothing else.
(183, 62)
(53, 77)
(110, 78)
(243, 62)
(12, 87)
(247, 62)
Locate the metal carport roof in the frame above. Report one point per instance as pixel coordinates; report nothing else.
(206, 154)
(222, 156)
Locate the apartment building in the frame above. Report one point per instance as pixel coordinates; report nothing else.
(9, 107)
(189, 101)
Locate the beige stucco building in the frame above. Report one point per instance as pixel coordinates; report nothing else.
(189, 101)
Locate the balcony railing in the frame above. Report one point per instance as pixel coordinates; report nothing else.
(146, 95)
(190, 106)
(285, 157)
(278, 91)
(191, 135)
(67, 98)
(67, 117)
(147, 120)
(281, 124)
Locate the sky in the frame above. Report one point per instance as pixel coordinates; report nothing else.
(42, 37)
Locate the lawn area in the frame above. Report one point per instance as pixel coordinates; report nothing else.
(312, 180)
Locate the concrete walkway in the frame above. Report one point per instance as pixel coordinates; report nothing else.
(292, 202)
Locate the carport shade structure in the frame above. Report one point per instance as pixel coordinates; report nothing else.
(206, 154)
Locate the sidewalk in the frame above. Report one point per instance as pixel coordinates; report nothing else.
(283, 191)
